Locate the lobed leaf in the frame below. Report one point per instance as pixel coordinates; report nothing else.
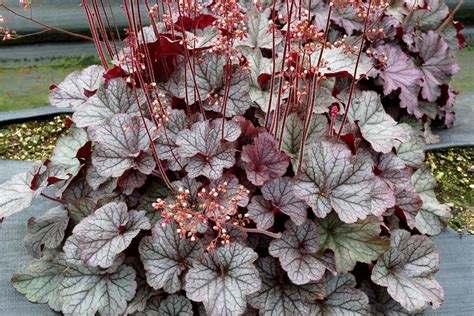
(223, 279)
(107, 232)
(438, 64)
(400, 73)
(18, 193)
(329, 179)
(263, 159)
(208, 154)
(296, 250)
(166, 139)
(73, 91)
(433, 216)
(277, 196)
(342, 298)
(120, 145)
(381, 303)
(352, 243)
(47, 230)
(39, 281)
(258, 35)
(375, 125)
(65, 154)
(175, 305)
(87, 290)
(412, 151)
(166, 257)
(278, 295)
(112, 98)
(407, 270)
(293, 132)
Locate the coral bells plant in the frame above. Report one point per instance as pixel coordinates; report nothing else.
(234, 158)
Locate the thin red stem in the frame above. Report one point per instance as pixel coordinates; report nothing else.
(353, 81)
(2, 5)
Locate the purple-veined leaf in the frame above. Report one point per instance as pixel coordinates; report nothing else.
(166, 138)
(17, 193)
(339, 62)
(72, 92)
(113, 98)
(401, 73)
(438, 63)
(209, 74)
(412, 151)
(190, 184)
(175, 305)
(107, 232)
(408, 200)
(152, 307)
(144, 293)
(259, 65)
(120, 142)
(202, 144)
(293, 132)
(209, 84)
(407, 270)
(223, 279)
(153, 190)
(429, 17)
(93, 178)
(348, 18)
(86, 290)
(259, 35)
(319, 10)
(433, 216)
(39, 281)
(166, 257)
(329, 179)
(46, 231)
(296, 250)
(131, 180)
(81, 208)
(376, 126)
(393, 170)
(238, 99)
(278, 295)
(202, 38)
(261, 97)
(278, 196)
(383, 197)
(352, 243)
(64, 155)
(342, 298)
(79, 188)
(381, 303)
(263, 160)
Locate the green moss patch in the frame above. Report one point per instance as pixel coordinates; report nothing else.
(454, 171)
(33, 140)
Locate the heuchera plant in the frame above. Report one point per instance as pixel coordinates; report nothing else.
(246, 158)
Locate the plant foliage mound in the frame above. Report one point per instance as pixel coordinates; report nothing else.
(246, 158)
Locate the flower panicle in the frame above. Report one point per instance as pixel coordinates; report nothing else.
(214, 207)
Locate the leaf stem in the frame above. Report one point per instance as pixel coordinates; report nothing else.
(2, 5)
(450, 17)
(312, 95)
(258, 231)
(53, 199)
(351, 91)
